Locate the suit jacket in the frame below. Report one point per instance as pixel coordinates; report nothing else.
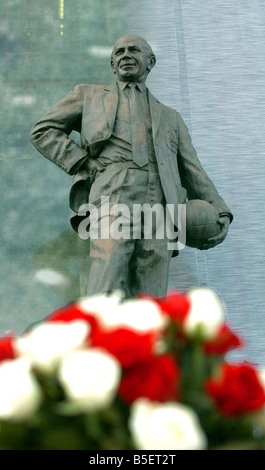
(91, 110)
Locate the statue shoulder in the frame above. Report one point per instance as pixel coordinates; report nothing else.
(88, 89)
(164, 108)
(170, 113)
(170, 110)
(173, 114)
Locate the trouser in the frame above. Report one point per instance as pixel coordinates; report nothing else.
(135, 259)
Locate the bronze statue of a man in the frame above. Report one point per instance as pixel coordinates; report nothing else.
(133, 151)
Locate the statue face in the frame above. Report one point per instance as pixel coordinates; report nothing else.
(131, 60)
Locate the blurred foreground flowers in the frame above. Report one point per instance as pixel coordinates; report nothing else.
(106, 373)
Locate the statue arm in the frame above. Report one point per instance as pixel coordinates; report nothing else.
(193, 177)
(50, 134)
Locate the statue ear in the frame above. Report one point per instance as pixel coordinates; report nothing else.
(152, 62)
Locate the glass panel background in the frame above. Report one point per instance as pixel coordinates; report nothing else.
(210, 67)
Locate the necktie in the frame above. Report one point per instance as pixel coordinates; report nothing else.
(138, 128)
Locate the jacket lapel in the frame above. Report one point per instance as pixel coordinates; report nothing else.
(155, 109)
(110, 102)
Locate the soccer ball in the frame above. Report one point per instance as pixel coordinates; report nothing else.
(201, 222)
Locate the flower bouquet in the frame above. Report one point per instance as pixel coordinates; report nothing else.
(108, 373)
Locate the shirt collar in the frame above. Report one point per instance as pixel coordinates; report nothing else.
(141, 86)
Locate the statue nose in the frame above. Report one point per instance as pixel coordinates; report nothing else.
(126, 56)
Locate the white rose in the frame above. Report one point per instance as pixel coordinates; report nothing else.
(103, 307)
(20, 394)
(140, 314)
(167, 426)
(48, 343)
(206, 313)
(98, 304)
(90, 378)
(261, 377)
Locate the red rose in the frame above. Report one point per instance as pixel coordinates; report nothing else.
(175, 305)
(72, 312)
(7, 348)
(157, 379)
(126, 345)
(223, 342)
(237, 390)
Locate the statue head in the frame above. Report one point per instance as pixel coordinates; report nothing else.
(132, 58)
